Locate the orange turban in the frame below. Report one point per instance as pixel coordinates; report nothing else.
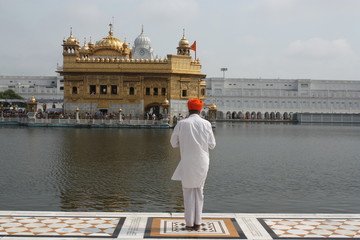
(195, 104)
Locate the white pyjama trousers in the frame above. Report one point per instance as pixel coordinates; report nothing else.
(193, 204)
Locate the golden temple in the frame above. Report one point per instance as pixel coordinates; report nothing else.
(105, 77)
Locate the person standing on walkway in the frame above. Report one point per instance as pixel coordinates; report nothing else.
(195, 137)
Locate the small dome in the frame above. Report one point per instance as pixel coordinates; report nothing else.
(71, 39)
(184, 42)
(212, 107)
(90, 44)
(202, 83)
(32, 100)
(85, 47)
(165, 103)
(143, 41)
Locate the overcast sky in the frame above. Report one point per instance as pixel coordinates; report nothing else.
(316, 39)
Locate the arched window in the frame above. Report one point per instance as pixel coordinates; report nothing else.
(203, 92)
(132, 91)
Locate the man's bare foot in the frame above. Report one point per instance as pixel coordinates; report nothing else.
(189, 228)
(197, 227)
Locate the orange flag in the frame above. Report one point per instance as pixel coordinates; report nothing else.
(193, 46)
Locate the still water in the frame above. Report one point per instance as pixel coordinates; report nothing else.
(255, 168)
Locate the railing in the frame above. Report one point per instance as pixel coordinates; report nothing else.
(84, 121)
(328, 118)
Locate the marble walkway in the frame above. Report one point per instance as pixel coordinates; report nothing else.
(132, 226)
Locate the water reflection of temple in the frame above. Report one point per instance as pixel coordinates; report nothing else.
(116, 173)
(107, 77)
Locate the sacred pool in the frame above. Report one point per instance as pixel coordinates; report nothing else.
(255, 168)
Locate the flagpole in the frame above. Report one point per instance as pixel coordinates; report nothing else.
(193, 47)
(195, 51)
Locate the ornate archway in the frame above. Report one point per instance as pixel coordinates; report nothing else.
(267, 115)
(259, 115)
(272, 116)
(228, 115)
(234, 115)
(220, 115)
(278, 116)
(286, 116)
(253, 115)
(151, 109)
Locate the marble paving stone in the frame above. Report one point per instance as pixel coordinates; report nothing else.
(133, 227)
(18, 226)
(252, 228)
(137, 226)
(223, 228)
(318, 228)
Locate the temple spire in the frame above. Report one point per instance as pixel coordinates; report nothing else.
(111, 31)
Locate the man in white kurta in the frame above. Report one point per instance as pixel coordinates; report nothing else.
(195, 137)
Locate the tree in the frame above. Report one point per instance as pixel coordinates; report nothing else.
(10, 94)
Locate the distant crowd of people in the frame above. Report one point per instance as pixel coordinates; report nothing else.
(51, 114)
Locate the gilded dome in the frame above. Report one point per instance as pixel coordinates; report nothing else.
(165, 103)
(125, 44)
(212, 107)
(109, 41)
(91, 44)
(32, 100)
(184, 42)
(71, 39)
(202, 83)
(85, 47)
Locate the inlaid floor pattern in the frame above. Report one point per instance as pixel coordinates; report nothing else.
(59, 226)
(280, 228)
(210, 228)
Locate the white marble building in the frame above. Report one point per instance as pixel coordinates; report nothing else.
(234, 97)
(280, 98)
(142, 47)
(46, 89)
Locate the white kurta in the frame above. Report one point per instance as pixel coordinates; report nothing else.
(195, 137)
